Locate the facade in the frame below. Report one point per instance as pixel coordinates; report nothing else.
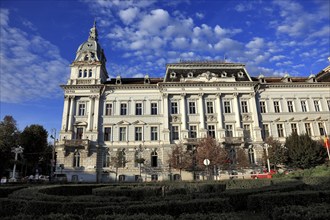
(108, 124)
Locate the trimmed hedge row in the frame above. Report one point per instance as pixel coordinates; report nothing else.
(174, 208)
(292, 212)
(6, 190)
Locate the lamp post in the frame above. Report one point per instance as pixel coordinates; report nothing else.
(53, 153)
(16, 150)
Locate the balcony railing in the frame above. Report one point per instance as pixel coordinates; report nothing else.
(192, 140)
(233, 140)
(77, 143)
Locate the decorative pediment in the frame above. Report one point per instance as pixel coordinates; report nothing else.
(138, 122)
(81, 123)
(123, 122)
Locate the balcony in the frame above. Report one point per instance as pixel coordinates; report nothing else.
(191, 140)
(233, 140)
(76, 144)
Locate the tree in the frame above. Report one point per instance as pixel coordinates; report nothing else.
(180, 158)
(277, 154)
(8, 139)
(241, 159)
(118, 161)
(208, 148)
(303, 152)
(36, 150)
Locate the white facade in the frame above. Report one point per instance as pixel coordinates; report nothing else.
(146, 117)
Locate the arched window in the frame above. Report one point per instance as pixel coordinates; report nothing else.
(122, 178)
(154, 159)
(76, 159)
(90, 73)
(85, 73)
(251, 155)
(80, 74)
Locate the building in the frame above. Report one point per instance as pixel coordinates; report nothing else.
(108, 124)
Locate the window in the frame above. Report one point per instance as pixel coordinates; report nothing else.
(174, 108)
(303, 106)
(280, 132)
(154, 177)
(227, 106)
(76, 159)
(121, 178)
(90, 73)
(138, 133)
(106, 159)
(81, 109)
(262, 107)
(246, 132)
(277, 106)
(108, 109)
(80, 74)
(244, 107)
(294, 128)
(154, 108)
(317, 105)
(251, 155)
(107, 134)
(229, 131)
(193, 131)
(175, 132)
(138, 108)
(154, 159)
(308, 129)
(211, 131)
(154, 133)
(192, 107)
(121, 158)
(321, 129)
(209, 108)
(85, 73)
(265, 131)
(79, 133)
(123, 109)
(122, 134)
(290, 106)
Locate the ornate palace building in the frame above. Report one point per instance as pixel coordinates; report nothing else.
(108, 124)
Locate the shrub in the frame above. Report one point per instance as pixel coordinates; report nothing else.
(140, 216)
(5, 191)
(313, 212)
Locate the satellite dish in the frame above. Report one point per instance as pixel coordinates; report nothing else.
(206, 162)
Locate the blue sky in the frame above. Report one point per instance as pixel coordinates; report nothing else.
(39, 40)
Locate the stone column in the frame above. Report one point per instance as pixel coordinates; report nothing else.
(256, 130)
(236, 109)
(90, 113)
(65, 113)
(219, 110)
(183, 111)
(71, 114)
(166, 115)
(96, 113)
(201, 115)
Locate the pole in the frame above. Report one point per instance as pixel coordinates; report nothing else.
(268, 164)
(53, 153)
(16, 150)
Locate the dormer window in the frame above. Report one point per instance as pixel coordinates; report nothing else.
(80, 74)
(146, 79)
(118, 80)
(173, 75)
(240, 74)
(90, 73)
(223, 74)
(286, 78)
(261, 78)
(311, 79)
(190, 75)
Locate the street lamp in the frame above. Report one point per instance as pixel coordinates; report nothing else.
(53, 153)
(16, 150)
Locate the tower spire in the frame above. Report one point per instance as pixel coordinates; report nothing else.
(93, 33)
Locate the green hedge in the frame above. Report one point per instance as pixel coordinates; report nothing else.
(267, 201)
(140, 216)
(292, 212)
(174, 208)
(6, 190)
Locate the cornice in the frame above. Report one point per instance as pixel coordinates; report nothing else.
(72, 87)
(295, 85)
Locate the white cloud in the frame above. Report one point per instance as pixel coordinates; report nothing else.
(128, 15)
(199, 15)
(154, 21)
(227, 44)
(31, 67)
(277, 58)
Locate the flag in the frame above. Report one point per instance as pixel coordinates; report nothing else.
(326, 142)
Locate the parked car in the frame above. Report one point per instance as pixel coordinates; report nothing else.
(265, 175)
(60, 178)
